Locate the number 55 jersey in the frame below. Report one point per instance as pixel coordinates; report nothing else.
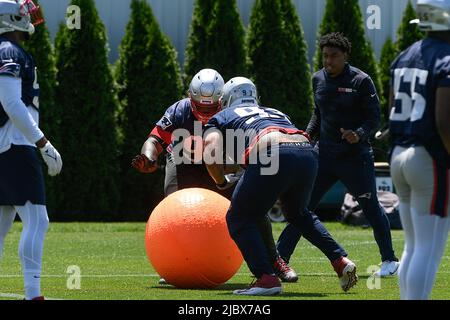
(415, 76)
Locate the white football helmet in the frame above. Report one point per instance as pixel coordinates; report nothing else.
(19, 15)
(238, 91)
(434, 15)
(205, 91)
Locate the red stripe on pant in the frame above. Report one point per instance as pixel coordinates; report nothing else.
(440, 182)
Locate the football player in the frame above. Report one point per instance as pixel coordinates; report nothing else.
(288, 175)
(420, 163)
(346, 115)
(180, 133)
(21, 176)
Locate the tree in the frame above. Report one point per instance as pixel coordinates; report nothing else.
(298, 84)
(40, 47)
(216, 40)
(85, 94)
(388, 54)
(149, 81)
(197, 44)
(345, 16)
(408, 33)
(277, 59)
(226, 36)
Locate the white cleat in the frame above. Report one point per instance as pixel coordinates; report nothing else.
(267, 285)
(388, 269)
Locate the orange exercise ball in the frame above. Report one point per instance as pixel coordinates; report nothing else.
(187, 240)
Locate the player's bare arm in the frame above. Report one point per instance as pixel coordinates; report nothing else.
(147, 161)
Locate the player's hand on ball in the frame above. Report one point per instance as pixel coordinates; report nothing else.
(52, 158)
(143, 164)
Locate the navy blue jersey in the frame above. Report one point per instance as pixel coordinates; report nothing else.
(16, 62)
(350, 102)
(179, 125)
(246, 124)
(177, 116)
(416, 74)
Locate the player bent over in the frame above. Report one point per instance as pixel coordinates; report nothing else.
(191, 114)
(267, 132)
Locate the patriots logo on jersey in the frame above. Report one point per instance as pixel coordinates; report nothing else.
(165, 123)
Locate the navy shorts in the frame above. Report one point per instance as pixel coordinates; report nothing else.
(21, 177)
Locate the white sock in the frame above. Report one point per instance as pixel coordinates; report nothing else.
(32, 280)
(35, 224)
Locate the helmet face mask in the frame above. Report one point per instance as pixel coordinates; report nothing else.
(28, 7)
(239, 90)
(19, 15)
(434, 15)
(205, 91)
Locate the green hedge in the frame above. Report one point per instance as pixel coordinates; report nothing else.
(148, 80)
(216, 40)
(89, 180)
(278, 59)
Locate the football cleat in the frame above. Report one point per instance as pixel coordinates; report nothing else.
(267, 285)
(346, 271)
(284, 271)
(36, 298)
(163, 281)
(387, 269)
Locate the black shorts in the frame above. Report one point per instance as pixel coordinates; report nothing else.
(21, 177)
(190, 176)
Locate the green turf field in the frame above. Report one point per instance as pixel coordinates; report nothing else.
(114, 265)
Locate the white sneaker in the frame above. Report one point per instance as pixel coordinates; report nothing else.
(267, 285)
(387, 269)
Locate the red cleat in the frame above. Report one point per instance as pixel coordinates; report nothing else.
(284, 271)
(346, 271)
